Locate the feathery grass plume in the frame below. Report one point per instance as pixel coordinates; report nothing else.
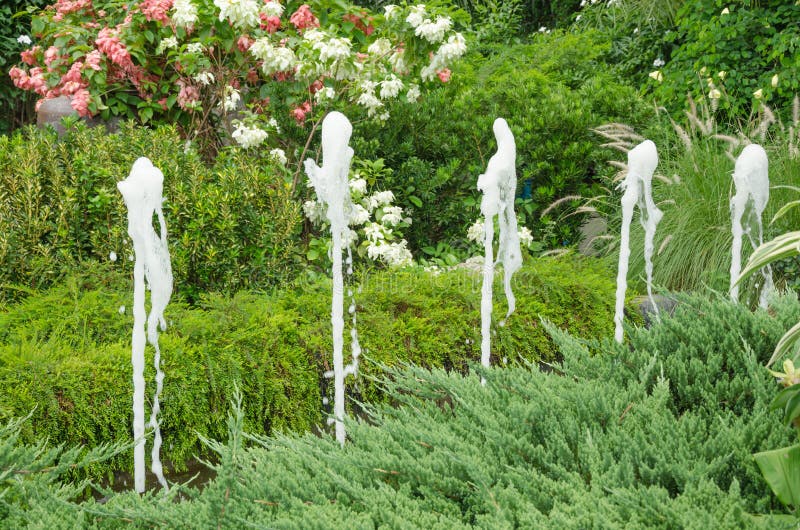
(558, 202)
(664, 244)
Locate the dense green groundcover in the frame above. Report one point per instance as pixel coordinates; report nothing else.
(65, 353)
(656, 433)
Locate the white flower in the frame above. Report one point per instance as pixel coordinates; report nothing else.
(243, 14)
(358, 215)
(166, 44)
(398, 61)
(392, 216)
(714, 94)
(475, 232)
(542, 29)
(195, 47)
(204, 78)
(184, 13)
(274, 59)
(635, 31)
(325, 93)
(278, 155)
(380, 199)
(413, 93)
(24, 40)
(274, 124)
(374, 232)
(578, 18)
(525, 236)
(657, 75)
(454, 48)
(758, 94)
(315, 211)
(434, 32)
(725, 11)
(417, 15)
(658, 63)
(397, 254)
(722, 74)
(390, 11)
(314, 35)
(335, 49)
(231, 100)
(358, 186)
(370, 101)
(774, 80)
(248, 136)
(380, 47)
(272, 9)
(390, 87)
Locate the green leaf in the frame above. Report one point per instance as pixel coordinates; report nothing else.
(786, 345)
(312, 254)
(779, 401)
(783, 246)
(416, 201)
(792, 409)
(784, 209)
(781, 470)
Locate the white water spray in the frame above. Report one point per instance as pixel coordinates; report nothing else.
(637, 186)
(331, 185)
(751, 177)
(142, 193)
(498, 185)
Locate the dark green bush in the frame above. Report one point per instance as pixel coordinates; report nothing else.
(66, 352)
(655, 434)
(751, 43)
(550, 92)
(230, 226)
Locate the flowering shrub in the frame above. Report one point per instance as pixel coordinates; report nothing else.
(375, 222)
(234, 65)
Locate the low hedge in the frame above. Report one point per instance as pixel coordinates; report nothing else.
(65, 353)
(654, 434)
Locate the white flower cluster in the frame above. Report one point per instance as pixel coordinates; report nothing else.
(195, 48)
(380, 47)
(380, 241)
(24, 40)
(390, 11)
(166, 44)
(413, 93)
(243, 14)
(416, 16)
(448, 52)
(434, 32)
(231, 100)
(278, 155)
(476, 233)
(184, 13)
(333, 49)
(391, 87)
(368, 98)
(324, 94)
(248, 136)
(274, 59)
(272, 8)
(204, 78)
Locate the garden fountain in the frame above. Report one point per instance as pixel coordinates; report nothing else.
(637, 186)
(498, 185)
(331, 185)
(142, 193)
(751, 177)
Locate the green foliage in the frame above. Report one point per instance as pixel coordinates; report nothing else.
(230, 226)
(440, 146)
(654, 434)
(751, 43)
(66, 351)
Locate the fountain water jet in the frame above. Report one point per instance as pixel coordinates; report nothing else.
(637, 186)
(331, 185)
(498, 185)
(142, 193)
(751, 177)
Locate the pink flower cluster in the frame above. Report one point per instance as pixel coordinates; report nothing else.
(64, 7)
(108, 43)
(269, 23)
(80, 102)
(156, 10)
(50, 55)
(299, 112)
(303, 18)
(188, 95)
(33, 80)
(93, 60)
(444, 75)
(29, 56)
(71, 82)
(244, 43)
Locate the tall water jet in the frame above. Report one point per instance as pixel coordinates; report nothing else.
(331, 185)
(499, 184)
(637, 190)
(142, 193)
(751, 178)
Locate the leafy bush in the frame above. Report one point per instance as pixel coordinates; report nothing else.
(655, 434)
(750, 41)
(230, 226)
(66, 352)
(440, 146)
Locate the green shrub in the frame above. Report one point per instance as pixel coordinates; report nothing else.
(66, 352)
(751, 43)
(653, 434)
(230, 226)
(438, 147)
